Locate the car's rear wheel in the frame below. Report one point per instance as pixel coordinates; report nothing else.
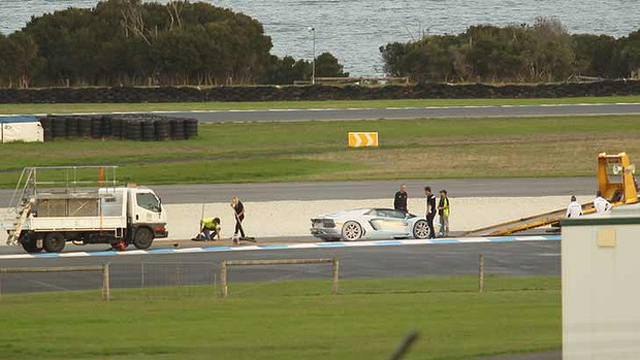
(421, 229)
(351, 231)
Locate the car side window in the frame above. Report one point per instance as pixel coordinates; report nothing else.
(148, 201)
(398, 214)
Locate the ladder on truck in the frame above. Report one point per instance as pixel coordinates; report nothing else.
(42, 182)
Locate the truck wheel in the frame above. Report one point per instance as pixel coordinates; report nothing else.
(31, 246)
(54, 242)
(143, 238)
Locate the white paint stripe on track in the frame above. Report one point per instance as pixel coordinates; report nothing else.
(331, 109)
(323, 245)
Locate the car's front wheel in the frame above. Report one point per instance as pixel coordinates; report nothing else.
(351, 231)
(421, 229)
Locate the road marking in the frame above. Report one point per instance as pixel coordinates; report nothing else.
(321, 245)
(453, 107)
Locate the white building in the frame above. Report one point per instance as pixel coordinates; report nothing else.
(601, 285)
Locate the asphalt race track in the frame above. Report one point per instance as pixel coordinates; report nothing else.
(516, 259)
(362, 190)
(284, 115)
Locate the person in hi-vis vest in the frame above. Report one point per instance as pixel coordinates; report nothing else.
(444, 210)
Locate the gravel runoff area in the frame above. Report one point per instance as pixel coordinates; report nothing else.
(292, 218)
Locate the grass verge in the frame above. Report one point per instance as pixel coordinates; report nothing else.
(317, 151)
(325, 104)
(292, 319)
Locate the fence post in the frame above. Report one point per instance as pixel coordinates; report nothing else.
(106, 291)
(223, 278)
(334, 277)
(481, 273)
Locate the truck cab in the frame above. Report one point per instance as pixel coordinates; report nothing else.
(146, 218)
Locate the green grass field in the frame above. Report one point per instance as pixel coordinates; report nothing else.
(335, 104)
(288, 320)
(317, 151)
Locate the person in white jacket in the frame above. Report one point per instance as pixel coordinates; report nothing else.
(601, 204)
(574, 209)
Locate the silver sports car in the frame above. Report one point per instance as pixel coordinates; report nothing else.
(369, 223)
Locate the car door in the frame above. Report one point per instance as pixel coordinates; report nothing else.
(390, 223)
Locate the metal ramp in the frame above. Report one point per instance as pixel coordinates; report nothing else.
(532, 222)
(38, 183)
(616, 183)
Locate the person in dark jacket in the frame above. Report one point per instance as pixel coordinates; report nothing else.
(238, 209)
(400, 200)
(431, 210)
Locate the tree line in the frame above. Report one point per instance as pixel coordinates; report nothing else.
(542, 52)
(132, 43)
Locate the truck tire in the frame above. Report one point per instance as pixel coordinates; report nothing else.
(54, 242)
(143, 238)
(31, 246)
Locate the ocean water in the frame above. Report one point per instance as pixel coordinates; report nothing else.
(353, 30)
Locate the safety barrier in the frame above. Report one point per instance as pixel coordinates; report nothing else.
(227, 263)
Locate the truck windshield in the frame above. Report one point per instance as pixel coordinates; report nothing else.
(148, 201)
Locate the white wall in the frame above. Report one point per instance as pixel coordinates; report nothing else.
(601, 293)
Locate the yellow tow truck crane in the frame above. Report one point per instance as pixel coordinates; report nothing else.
(616, 181)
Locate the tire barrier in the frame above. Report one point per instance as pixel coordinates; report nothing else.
(190, 128)
(96, 127)
(72, 127)
(177, 129)
(136, 127)
(317, 92)
(133, 130)
(163, 130)
(148, 131)
(59, 126)
(47, 128)
(84, 127)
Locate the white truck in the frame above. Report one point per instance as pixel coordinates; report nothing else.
(54, 205)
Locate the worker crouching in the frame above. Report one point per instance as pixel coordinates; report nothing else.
(209, 230)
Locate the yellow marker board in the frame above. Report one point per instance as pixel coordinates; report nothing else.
(362, 139)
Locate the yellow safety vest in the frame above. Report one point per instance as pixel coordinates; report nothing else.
(209, 224)
(447, 210)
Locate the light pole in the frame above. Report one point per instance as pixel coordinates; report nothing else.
(313, 61)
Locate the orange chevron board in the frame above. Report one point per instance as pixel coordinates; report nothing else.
(362, 139)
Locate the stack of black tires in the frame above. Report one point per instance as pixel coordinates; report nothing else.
(137, 127)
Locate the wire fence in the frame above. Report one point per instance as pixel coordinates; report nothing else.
(174, 279)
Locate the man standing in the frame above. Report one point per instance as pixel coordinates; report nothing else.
(431, 210)
(400, 200)
(238, 209)
(601, 204)
(574, 209)
(444, 210)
